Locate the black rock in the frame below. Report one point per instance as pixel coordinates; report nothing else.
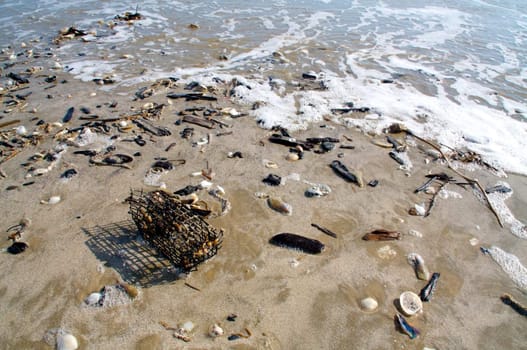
(68, 174)
(17, 248)
(272, 180)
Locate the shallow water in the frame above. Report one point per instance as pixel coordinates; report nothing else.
(454, 71)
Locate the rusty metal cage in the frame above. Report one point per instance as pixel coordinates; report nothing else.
(171, 226)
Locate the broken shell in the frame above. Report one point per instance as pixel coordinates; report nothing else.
(67, 342)
(279, 205)
(21, 130)
(369, 304)
(421, 271)
(269, 164)
(410, 303)
(215, 331)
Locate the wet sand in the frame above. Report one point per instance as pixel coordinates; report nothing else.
(285, 298)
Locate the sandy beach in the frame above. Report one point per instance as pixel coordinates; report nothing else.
(281, 298)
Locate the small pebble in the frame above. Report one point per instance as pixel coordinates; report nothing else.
(369, 304)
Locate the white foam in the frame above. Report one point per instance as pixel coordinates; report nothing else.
(511, 265)
(498, 199)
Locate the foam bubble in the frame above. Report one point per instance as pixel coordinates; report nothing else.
(511, 265)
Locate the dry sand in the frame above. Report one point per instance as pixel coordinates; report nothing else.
(286, 299)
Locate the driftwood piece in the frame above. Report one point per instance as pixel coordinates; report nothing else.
(401, 128)
(199, 121)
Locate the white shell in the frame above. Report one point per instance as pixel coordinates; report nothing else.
(54, 200)
(67, 342)
(410, 303)
(215, 331)
(369, 304)
(93, 299)
(205, 184)
(292, 157)
(21, 130)
(123, 123)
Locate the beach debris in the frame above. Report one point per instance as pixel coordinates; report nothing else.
(51, 200)
(410, 303)
(218, 193)
(192, 96)
(17, 248)
(468, 156)
(270, 165)
(417, 210)
(301, 243)
(317, 190)
(428, 290)
(272, 180)
(290, 141)
(395, 156)
(417, 262)
(94, 299)
(185, 191)
(405, 327)
(498, 188)
(279, 205)
(373, 183)
(151, 128)
(341, 170)
(67, 341)
(292, 157)
(507, 299)
(381, 235)
(129, 16)
(236, 336)
(68, 33)
(232, 317)
(215, 331)
(68, 174)
(236, 154)
(324, 230)
(199, 121)
(174, 229)
(179, 333)
(369, 304)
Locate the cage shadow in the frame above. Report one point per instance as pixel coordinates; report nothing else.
(117, 246)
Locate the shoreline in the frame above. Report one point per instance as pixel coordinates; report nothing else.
(285, 298)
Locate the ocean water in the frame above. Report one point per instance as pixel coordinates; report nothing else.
(453, 71)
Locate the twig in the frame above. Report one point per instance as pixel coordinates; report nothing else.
(325, 230)
(470, 180)
(432, 201)
(191, 286)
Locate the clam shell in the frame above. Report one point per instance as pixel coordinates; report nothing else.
(292, 157)
(369, 304)
(279, 205)
(93, 299)
(410, 303)
(67, 342)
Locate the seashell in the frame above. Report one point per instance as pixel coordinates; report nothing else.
(415, 233)
(123, 123)
(428, 290)
(205, 184)
(21, 130)
(93, 299)
(292, 157)
(417, 210)
(67, 342)
(280, 206)
(215, 331)
(405, 327)
(301, 243)
(261, 195)
(410, 303)
(54, 199)
(418, 263)
(318, 190)
(369, 304)
(269, 164)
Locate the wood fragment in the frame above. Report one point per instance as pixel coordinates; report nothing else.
(11, 122)
(325, 230)
(199, 121)
(470, 180)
